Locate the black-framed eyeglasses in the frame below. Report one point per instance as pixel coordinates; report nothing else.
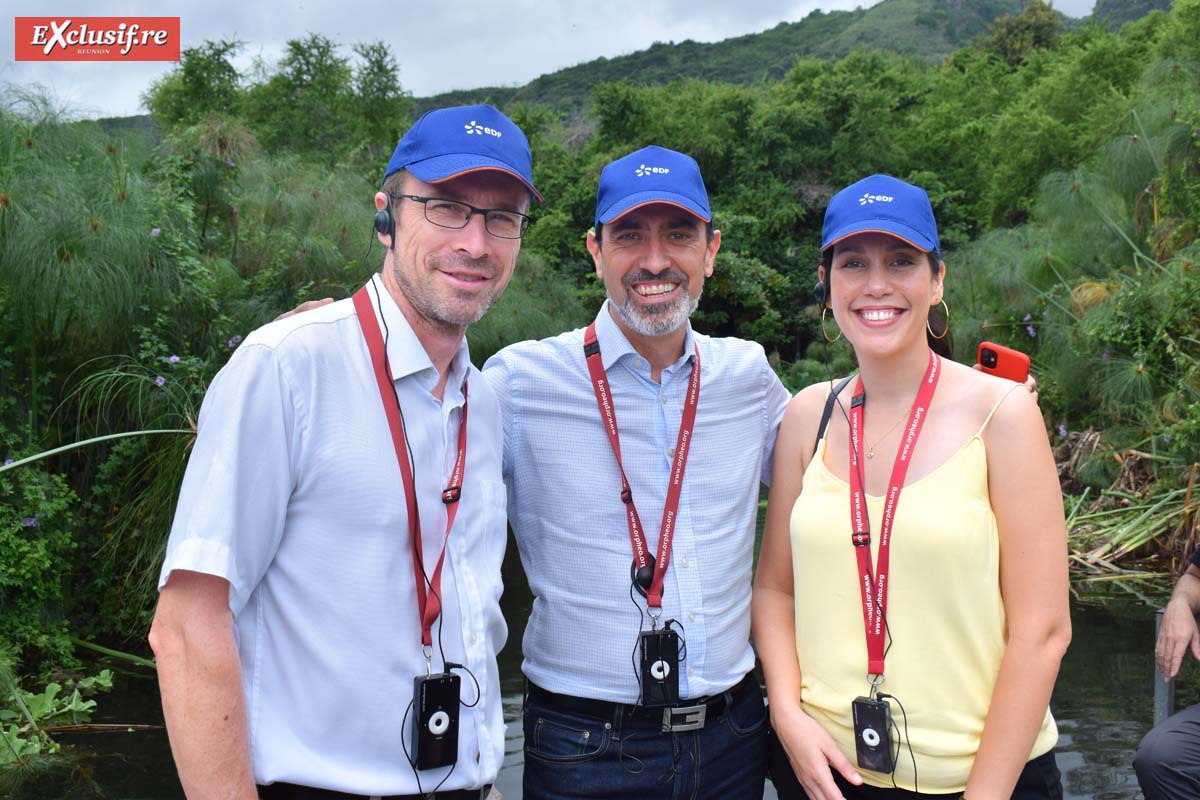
(499, 222)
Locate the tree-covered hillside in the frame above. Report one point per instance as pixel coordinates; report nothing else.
(928, 29)
(1115, 13)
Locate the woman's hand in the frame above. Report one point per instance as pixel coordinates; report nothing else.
(1030, 381)
(812, 753)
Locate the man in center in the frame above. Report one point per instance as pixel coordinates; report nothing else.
(634, 451)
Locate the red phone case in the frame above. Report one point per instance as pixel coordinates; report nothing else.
(1009, 363)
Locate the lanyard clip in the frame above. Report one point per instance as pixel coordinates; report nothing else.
(876, 681)
(428, 651)
(654, 613)
(451, 494)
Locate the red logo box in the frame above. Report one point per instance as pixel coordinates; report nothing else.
(96, 38)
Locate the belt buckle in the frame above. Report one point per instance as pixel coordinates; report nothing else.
(684, 718)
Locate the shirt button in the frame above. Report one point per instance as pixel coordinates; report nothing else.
(687, 563)
(691, 671)
(474, 638)
(692, 617)
(670, 452)
(664, 398)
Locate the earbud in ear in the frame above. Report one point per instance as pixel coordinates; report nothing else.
(819, 293)
(383, 222)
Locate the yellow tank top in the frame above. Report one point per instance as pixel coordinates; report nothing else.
(944, 612)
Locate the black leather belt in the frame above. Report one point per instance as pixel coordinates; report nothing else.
(688, 715)
(291, 791)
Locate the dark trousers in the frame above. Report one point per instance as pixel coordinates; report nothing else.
(573, 756)
(1167, 761)
(1040, 780)
(290, 791)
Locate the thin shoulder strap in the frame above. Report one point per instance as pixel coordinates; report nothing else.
(1003, 397)
(828, 412)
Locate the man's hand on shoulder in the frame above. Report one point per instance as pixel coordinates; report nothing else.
(307, 305)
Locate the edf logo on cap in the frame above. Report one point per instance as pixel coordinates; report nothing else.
(881, 204)
(475, 127)
(449, 142)
(651, 175)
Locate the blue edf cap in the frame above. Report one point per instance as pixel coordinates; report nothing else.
(881, 204)
(449, 142)
(651, 175)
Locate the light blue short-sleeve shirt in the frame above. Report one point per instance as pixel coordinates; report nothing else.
(293, 494)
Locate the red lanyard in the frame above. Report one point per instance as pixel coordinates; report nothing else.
(874, 591)
(429, 605)
(637, 538)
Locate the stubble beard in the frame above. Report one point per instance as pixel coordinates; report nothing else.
(655, 319)
(441, 310)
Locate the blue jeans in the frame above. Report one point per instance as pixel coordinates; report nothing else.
(571, 756)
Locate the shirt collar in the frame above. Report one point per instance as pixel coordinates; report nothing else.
(614, 345)
(406, 355)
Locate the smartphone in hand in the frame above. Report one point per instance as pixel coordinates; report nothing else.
(1004, 362)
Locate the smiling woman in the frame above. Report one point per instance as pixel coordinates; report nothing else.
(962, 596)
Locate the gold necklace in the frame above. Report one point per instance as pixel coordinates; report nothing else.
(871, 448)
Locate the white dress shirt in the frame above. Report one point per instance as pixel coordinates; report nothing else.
(293, 494)
(570, 524)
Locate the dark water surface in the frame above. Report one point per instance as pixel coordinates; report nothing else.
(1103, 704)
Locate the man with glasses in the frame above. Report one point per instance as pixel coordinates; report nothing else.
(328, 621)
(634, 452)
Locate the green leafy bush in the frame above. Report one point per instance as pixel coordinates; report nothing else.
(37, 524)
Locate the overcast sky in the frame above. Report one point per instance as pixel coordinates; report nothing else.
(439, 45)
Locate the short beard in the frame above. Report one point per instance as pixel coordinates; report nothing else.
(655, 319)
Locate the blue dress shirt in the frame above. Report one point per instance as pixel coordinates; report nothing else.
(570, 524)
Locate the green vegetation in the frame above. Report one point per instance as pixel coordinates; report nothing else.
(25, 730)
(1063, 163)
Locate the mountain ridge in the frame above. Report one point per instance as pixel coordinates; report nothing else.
(930, 29)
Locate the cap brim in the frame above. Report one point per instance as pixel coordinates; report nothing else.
(886, 226)
(638, 199)
(443, 168)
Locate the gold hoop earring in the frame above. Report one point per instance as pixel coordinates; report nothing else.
(945, 330)
(825, 333)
